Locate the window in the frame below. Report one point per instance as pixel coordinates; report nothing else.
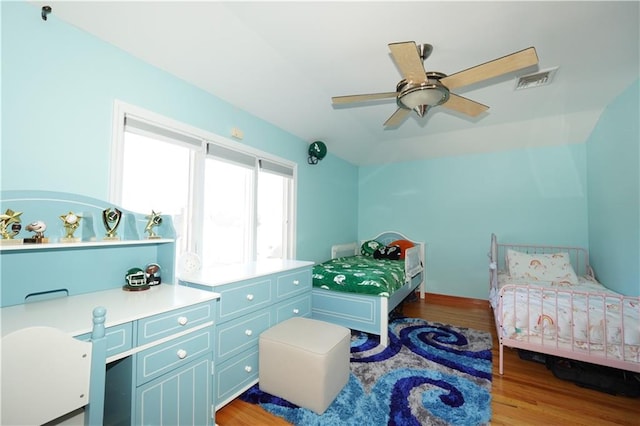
(229, 204)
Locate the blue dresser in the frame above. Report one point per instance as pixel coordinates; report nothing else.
(253, 297)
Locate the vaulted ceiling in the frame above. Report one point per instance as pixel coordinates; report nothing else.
(283, 61)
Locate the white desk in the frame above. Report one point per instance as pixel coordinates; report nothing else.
(72, 314)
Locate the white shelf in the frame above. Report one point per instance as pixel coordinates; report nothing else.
(82, 244)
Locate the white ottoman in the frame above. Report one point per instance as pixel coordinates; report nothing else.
(305, 361)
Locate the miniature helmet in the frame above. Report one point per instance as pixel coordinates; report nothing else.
(152, 274)
(135, 277)
(317, 151)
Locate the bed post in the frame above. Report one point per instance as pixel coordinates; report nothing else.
(384, 321)
(501, 351)
(423, 259)
(493, 263)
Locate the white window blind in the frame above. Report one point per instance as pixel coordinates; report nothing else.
(275, 168)
(152, 130)
(231, 155)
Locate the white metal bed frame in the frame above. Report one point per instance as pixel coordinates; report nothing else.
(550, 346)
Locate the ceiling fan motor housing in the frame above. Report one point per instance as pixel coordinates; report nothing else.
(426, 93)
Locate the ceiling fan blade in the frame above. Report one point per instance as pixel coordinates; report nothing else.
(408, 60)
(361, 98)
(495, 68)
(397, 117)
(464, 105)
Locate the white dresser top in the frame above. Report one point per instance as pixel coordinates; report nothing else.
(74, 314)
(215, 276)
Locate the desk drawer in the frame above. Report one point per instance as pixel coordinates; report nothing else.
(166, 324)
(235, 376)
(242, 298)
(240, 334)
(119, 338)
(296, 307)
(293, 283)
(168, 356)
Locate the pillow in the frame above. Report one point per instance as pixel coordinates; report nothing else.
(552, 267)
(404, 245)
(369, 247)
(388, 252)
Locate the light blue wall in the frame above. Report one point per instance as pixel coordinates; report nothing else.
(454, 204)
(58, 88)
(613, 177)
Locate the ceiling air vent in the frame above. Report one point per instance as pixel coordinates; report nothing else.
(541, 78)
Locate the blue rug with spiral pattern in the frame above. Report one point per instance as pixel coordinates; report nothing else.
(430, 374)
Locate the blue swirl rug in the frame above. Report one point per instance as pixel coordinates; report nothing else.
(430, 374)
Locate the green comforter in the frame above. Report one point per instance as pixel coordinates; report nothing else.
(360, 274)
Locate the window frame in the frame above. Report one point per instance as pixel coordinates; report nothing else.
(197, 173)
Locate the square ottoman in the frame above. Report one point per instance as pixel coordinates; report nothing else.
(305, 361)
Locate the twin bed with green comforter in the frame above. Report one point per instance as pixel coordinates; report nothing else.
(359, 286)
(360, 274)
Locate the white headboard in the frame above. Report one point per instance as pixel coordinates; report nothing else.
(415, 260)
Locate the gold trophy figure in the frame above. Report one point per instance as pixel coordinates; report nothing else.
(71, 222)
(111, 218)
(153, 220)
(38, 227)
(10, 227)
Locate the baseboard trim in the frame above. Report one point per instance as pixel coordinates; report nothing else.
(445, 299)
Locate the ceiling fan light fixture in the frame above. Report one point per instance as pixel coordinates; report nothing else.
(430, 94)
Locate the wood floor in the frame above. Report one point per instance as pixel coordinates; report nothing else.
(527, 393)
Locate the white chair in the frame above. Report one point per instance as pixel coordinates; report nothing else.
(47, 374)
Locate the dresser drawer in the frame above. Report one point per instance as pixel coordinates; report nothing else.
(235, 375)
(241, 334)
(166, 324)
(170, 355)
(243, 298)
(119, 338)
(293, 283)
(296, 307)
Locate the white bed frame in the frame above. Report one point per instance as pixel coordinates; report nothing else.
(364, 312)
(580, 262)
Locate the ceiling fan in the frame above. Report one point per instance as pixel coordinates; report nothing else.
(420, 90)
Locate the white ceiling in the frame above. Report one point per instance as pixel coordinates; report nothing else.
(282, 62)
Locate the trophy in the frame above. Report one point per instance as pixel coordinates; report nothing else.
(38, 227)
(71, 222)
(111, 218)
(10, 227)
(154, 219)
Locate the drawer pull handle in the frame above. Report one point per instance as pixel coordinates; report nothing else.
(248, 368)
(183, 320)
(182, 354)
(248, 332)
(296, 311)
(249, 297)
(296, 282)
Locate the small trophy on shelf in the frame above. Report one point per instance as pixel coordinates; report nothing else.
(153, 220)
(38, 227)
(111, 218)
(10, 227)
(71, 222)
